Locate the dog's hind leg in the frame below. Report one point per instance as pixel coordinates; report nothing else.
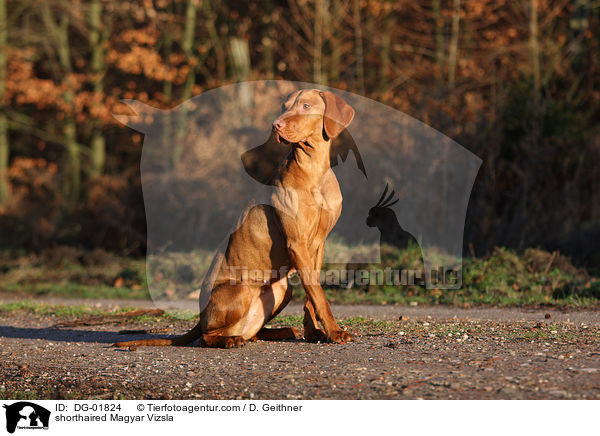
(225, 317)
(221, 322)
(275, 297)
(218, 341)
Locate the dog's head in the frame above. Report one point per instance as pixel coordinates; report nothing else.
(310, 114)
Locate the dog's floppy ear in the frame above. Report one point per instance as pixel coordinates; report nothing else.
(338, 114)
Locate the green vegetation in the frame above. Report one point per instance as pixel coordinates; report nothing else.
(454, 330)
(82, 311)
(504, 278)
(71, 273)
(54, 309)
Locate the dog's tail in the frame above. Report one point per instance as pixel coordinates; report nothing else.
(185, 339)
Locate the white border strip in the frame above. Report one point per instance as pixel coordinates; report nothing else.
(89, 417)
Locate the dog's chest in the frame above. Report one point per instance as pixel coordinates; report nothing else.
(328, 203)
(330, 198)
(328, 194)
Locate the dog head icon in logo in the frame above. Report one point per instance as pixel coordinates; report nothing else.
(26, 415)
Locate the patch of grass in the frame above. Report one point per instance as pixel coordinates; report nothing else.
(73, 273)
(181, 315)
(58, 310)
(70, 289)
(506, 277)
(81, 311)
(503, 278)
(288, 321)
(355, 322)
(360, 322)
(175, 275)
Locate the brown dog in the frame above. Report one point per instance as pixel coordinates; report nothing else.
(281, 238)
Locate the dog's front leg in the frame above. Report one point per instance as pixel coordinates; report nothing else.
(312, 331)
(310, 280)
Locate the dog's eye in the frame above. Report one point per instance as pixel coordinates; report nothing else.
(306, 106)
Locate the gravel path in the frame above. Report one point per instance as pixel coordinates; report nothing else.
(433, 352)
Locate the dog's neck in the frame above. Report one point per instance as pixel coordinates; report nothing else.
(309, 157)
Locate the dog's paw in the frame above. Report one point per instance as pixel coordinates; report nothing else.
(315, 335)
(234, 342)
(341, 336)
(296, 333)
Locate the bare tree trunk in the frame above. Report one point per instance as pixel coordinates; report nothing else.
(386, 39)
(188, 88)
(318, 42)
(188, 46)
(4, 142)
(167, 127)
(438, 21)
(60, 34)
(370, 73)
(534, 47)
(240, 56)
(220, 51)
(97, 40)
(360, 62)
(453, 50)
(74, 155)
(336, 45)
(268, 63)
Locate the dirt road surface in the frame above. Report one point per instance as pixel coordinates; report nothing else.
(399, 352)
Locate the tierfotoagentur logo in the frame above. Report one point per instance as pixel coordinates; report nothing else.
(25, 415)
(207, 162)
